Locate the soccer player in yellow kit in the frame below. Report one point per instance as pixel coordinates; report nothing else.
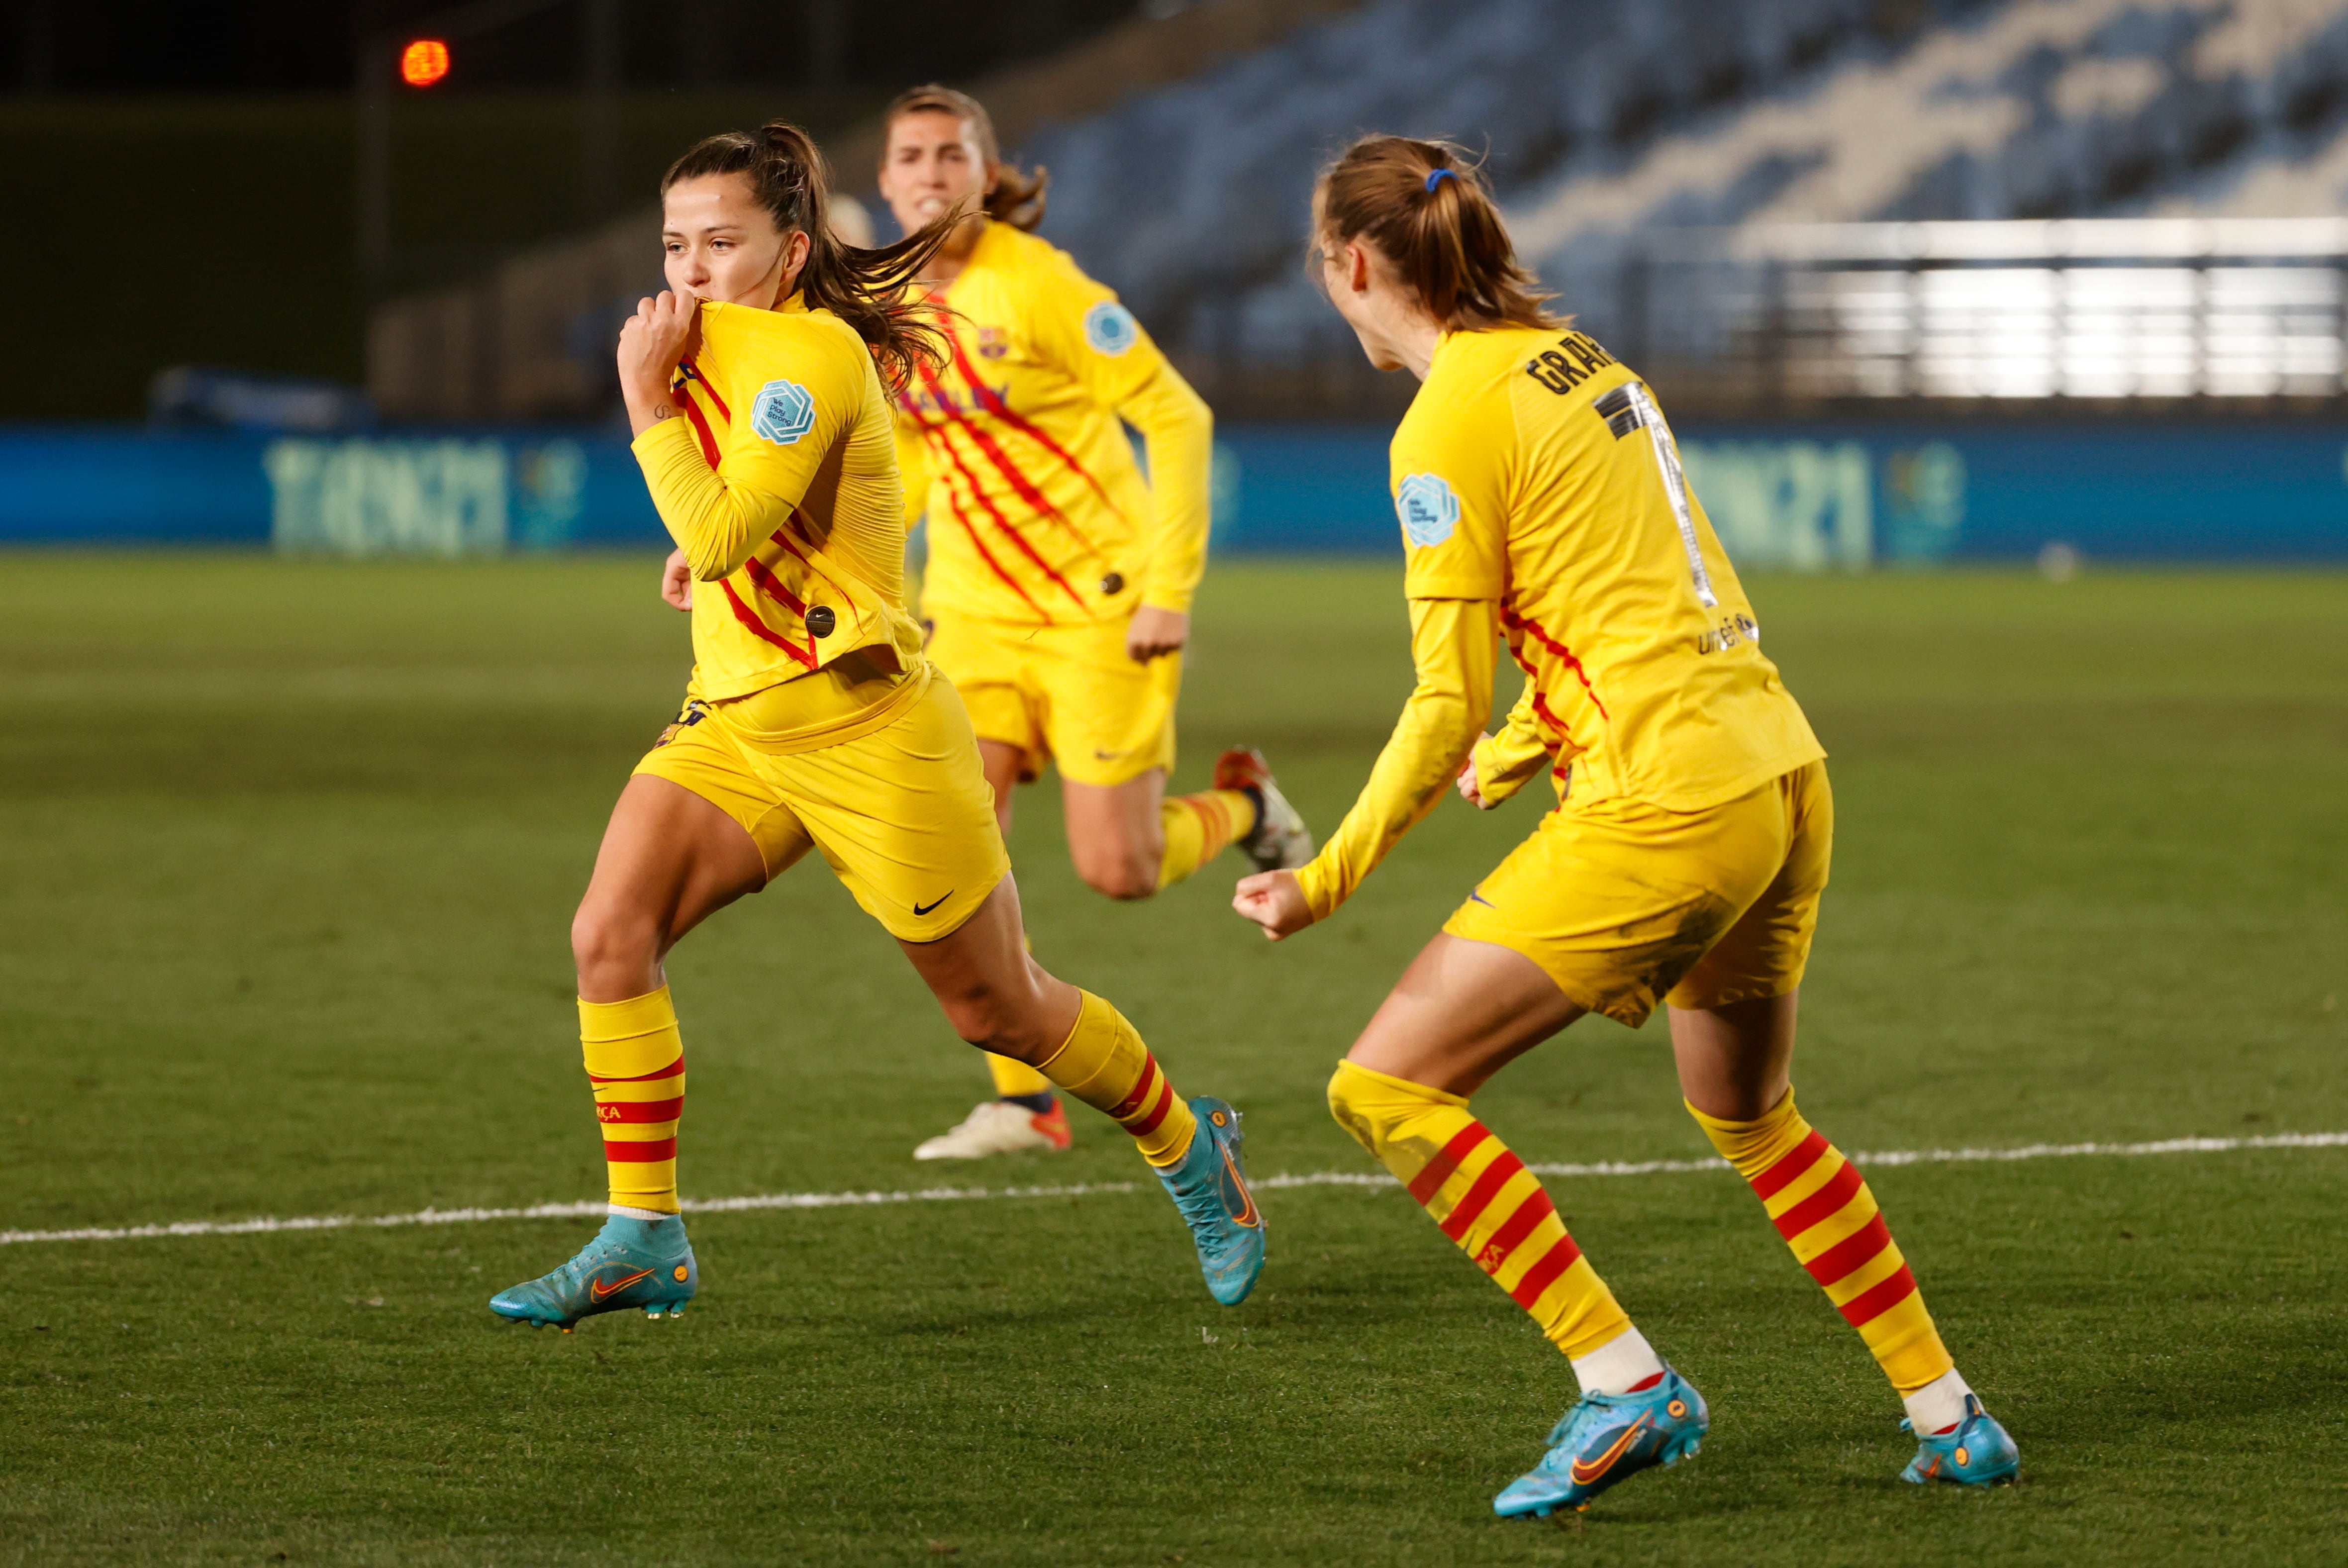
(1059, 583)
(756, 391)
(1543, 507)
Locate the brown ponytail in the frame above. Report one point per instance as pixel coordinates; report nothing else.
(865, 288)
(1018, 198)
(1424, 205)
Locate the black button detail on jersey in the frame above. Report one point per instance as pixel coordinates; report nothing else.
(821, 622)
(1114, 584)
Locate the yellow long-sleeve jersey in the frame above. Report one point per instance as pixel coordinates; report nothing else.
(780, 484)
(1542, 504)
(1037, 512)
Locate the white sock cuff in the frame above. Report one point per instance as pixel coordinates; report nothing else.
(1615, 1366)
(1938, 1405)
(639, 1214)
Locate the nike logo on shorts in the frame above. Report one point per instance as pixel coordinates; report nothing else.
(921, 908)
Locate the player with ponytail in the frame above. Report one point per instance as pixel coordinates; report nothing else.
(1543, 507)
(1059, 581)
(758, 386)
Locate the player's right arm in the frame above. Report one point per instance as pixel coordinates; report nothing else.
(1503, 763)
(789, 409)
(1450, 486)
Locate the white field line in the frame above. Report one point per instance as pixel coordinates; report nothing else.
(267, 1223)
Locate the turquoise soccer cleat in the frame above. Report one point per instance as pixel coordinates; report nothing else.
(1605, 1439)
(1978, 1452)
(631, 1263)
(1210, 1190)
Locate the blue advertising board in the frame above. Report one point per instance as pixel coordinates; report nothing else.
(1789, 496)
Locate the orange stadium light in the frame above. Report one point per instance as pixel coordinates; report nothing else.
(424, 62)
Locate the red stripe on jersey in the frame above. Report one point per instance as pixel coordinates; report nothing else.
(700, 425)
(1520, 1224)
(1790, 1164)
(1511, 616)
(759, 629)
(937, 440)
(1839, 1190)
(801, 528)
(639, 1153)
(1854, 1251)
(671, 1070)
(989, 399)
(772, 586)
(1017, 480)
(1012, 474)
(690, 368)
(1543, 1274)
(1868, 1305)
(1437, 1170)
(1480, 1193)
(640, 1110)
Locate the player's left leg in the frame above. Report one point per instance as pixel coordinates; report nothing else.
(1000, 999)
(1461, 1012)
(1024, 1114)
(1733, 1021)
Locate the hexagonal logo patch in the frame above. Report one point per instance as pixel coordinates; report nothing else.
(1110, 328)
(783, 412)
(1428, 510)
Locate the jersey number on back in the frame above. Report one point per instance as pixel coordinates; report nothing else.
(1628, 408)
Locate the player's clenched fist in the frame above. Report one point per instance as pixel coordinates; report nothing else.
(1275, 901)
(651, 343)
(676, 581)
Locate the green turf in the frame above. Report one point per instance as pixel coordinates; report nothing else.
(290, 854)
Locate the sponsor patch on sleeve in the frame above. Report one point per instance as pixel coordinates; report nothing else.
(1428, 510)
(783, 412)
(1110, 328)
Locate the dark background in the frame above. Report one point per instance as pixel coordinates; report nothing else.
(178, 178)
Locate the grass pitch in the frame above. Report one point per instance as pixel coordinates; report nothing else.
(290, 852)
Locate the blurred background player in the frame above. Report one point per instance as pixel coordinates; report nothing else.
(1058, 585)
(755, 391)
(1542, 504)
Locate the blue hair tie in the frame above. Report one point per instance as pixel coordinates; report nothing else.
(1437, 176)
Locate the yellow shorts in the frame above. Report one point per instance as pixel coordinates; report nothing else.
(1068, 692)
(902, 814)
(1624, 902)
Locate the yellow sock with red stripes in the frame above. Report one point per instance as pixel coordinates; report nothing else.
(1496, 1210)
(1103, 1063)
(1200, 827)
(1820, 1204)
(635, 1060)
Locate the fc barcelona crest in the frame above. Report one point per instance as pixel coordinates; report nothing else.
(992, 344)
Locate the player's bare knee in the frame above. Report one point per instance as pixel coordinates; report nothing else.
(608, 941)
(991, 1019)
(1121, 875)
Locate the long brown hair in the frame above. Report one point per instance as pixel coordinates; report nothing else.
(865, 288)
(1425, 208)
(1018, 198)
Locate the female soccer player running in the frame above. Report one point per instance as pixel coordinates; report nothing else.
(1542, 504)
(1058, 585)
(755, 387)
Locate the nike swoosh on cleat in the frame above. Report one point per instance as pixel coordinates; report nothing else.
(1584, 1473)
(920, 909)
(598, 1290)
(1247, 1216)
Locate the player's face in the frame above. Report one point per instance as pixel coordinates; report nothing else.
(720, 243)
(933, 163)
